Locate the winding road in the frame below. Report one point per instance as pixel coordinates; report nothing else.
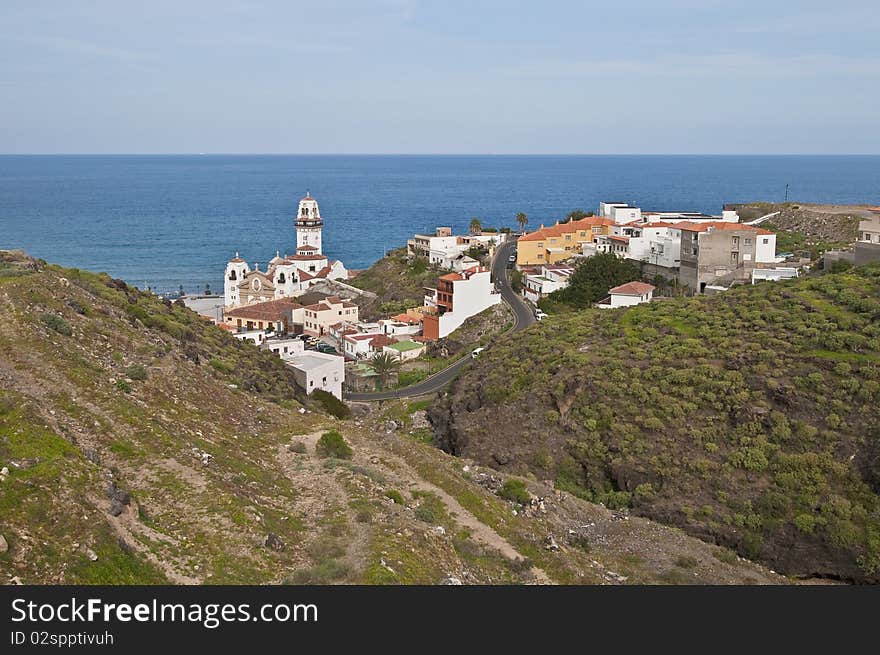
(523, 318)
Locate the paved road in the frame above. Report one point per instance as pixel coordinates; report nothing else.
(523, 318)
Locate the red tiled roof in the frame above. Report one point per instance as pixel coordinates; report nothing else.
(305, 258)
(380, 340)
(633, 289)
(271, 310)
(405, 318)
(306, 247)
(566, 228)
(451, 277)
(617, 238)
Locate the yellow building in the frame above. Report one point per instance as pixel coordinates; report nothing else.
(550, 245)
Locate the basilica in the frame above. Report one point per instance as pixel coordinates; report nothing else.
(286, 276)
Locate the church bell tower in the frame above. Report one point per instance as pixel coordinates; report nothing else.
(308, 224)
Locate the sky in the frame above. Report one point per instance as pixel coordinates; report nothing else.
(445, 76)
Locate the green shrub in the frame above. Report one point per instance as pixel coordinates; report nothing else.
(123, 386)
(686, 562)
(136, 372)
(425, 513)
(515, 490)
(220, 365)
(333, 444)
(57, 323)
(395, 495)
(331, 404)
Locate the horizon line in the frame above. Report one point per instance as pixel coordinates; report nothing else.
(437, 154)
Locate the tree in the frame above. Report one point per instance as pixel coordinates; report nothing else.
(523, 220)
(384, 364)
(476, 226)
(592, 279)
(576, 215)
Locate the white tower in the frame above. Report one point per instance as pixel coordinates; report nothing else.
(236, 271)
(308, 224)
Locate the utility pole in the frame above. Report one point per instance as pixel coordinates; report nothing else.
(786, 193)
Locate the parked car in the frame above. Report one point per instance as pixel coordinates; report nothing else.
(476, 352)
(540, 315)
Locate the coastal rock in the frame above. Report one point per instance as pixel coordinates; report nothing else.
(92, 555)
(4, 545)
(116, 508)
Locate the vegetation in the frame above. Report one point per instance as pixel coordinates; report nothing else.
(747, 417)
(522, 220)
(331, 404)
(395, 279)
(476, 226)
(384, 364)
(333, 444)
(590, 282)
(515, 490)
(57, 323)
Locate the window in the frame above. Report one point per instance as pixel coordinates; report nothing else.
(748, 241)
(765, 241)
(540, 256)
(734, 257)
(568, 237)
(736, 241)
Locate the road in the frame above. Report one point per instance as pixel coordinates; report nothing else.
(523, 318)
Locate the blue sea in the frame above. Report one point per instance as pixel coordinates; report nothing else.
(169, 220)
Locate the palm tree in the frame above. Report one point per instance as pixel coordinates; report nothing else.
(523, 220)
(476, 226)
(384, 364)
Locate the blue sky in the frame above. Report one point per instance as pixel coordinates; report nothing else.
(409, 76)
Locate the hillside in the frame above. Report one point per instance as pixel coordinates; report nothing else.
(748, 419)
(397, 282)
(139, 444)
(804, 226)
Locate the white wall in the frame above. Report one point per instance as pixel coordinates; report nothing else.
(620, 300)
(285, 348)
(625, 214)
(328, 376)
(469, 297)
(765, 248)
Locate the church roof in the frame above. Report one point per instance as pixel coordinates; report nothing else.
(307, 247)
(271, 310)
(306, 258)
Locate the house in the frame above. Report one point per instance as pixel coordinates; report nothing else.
(317, 370)
(550, 245)
(622, 213)
(614, 244)
(457, 297)
(255, 337)
(318, 318)
(545, 281)
(281, 316)
(720, 249)
(773, 274)
(656, 243)
(284, 347)
(364, 345)
(867, 247)
(405, 350)
(401, 325)
(441, 242)
(360, 376)
(627, 295)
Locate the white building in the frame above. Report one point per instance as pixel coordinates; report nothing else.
(286, 276)
(317, 370)
(284, 347)
(626, 295)
(548, 280)
(619, 212)
(458, 296)
(773, 274)
(655, 243)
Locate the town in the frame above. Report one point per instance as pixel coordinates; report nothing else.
(304, 308)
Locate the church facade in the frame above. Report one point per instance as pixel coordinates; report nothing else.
(287, 276)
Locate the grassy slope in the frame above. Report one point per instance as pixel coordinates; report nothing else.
(397, 282)
(747, 418)
(77, 412)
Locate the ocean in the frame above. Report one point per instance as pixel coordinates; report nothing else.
(166, 221)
